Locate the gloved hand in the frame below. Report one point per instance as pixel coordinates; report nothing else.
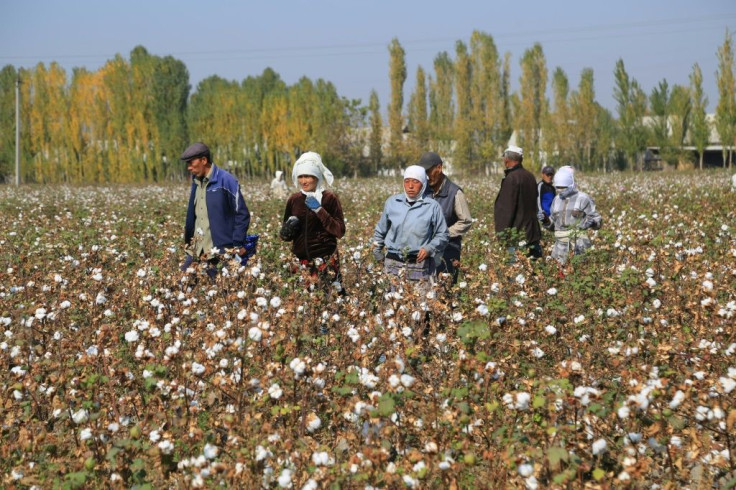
(378, 254)
(312, 203)
(290, 228)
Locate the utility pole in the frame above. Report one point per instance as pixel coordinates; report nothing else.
(17, 131)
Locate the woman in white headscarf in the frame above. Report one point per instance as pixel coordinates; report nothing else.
(278, 186)
(572, 213)
(313, 221)
(412, 232)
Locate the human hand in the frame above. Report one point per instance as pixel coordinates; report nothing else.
(312, 203)
(289, 228)
(541, 215)
(378, 254)
(423, 254)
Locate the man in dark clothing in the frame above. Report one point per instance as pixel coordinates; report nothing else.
(454, 208)
(516, 204)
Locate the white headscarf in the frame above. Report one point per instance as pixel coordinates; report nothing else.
(565, 177)
(310, 163)
(417, 173)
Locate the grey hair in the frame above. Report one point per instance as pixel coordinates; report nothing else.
(512, 155)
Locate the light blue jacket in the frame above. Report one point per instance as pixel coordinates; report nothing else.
(403, 229)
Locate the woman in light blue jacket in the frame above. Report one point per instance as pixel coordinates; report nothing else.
(412, 232)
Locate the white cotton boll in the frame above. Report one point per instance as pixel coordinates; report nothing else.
(707, 286)
(550, 330)
(600, 446)
(676, 441)
(520, 279)
(522, 400)
(275, 391)
(141, 273)
(275, 302)
(482, 267)
(552, 291)
(80, 416)
(353, 334)
(40, 313)
(261, 301)
(313, 422)
(255, 334)
(85, 434)
(298, 366)
(482, 310)
(579, 319)
(210, 451)
(166, 446)
(656, 303)
(407, 380)
(457, 316)
(430, 447)
(677, 399)
(406, 332)
(728, 384)
(92, 350)
(651, 282)
(197, 368)
(154, 436)
(441, 338)
(131, 336)
(284, 479)
(416, 316)
(394, 381)
(262, 453)
(537, 352)
(65, 304)
(526, 470)
(410, 482)
(623, 412)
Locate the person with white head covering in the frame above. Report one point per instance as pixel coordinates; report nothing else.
(411, 234)
(313, 222)
(572, 213)
(278, 186)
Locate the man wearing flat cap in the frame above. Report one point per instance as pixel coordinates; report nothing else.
(454, 208)
(515, 209)
(217, 217)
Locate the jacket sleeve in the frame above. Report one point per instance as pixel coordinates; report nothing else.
(592, 218)
(242, 219)
(190, 220)
(330, 215)
(506, 201)
(464, 220)
(441, 237)
(382, 227)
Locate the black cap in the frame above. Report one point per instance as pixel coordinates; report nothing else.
(197, 150)
(548, 170)
(429, 160)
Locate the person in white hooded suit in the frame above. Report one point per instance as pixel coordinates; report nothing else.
(572, 213)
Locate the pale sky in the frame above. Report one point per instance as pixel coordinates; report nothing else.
(346, 42)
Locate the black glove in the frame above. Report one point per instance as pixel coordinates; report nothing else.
(290, 228)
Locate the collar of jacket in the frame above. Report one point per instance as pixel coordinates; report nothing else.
(515, 167)
(214, 177)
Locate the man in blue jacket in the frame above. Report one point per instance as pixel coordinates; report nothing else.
(217, 217)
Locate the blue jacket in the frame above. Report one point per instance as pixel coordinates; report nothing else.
(228, 215)
(404, 229)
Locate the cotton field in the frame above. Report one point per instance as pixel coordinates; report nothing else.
(119, 370)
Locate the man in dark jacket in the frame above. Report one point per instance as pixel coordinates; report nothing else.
(217, 217)
(516, 203)
(454, 208)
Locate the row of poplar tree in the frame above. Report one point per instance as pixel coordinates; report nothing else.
(130, 120)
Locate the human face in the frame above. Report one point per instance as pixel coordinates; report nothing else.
(412, 187)
(308, 183)
(547, 178)
(434, 176)
(198, 167)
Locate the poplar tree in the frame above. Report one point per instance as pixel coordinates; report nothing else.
(486, 111)
(558, 130)
(680, 111)
(699, 130)
(726, 108)
(462, 156)
(584, 111)
(631, 105)
(8, 78)
(532, 102)
(659, 105)
(397, 78)
(418, 122)
(441, 106)
(375, 151)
